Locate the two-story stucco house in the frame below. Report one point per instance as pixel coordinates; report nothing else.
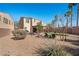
(29, 23)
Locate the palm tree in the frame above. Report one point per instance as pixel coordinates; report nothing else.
(63, 34)
(66, 22)
(68, 13)
(77, 18)
(71, 9)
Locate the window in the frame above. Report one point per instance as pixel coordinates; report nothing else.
(0, 18)
(5, 20)
(27, 21)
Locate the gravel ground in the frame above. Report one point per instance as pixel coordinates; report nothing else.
(27, 46)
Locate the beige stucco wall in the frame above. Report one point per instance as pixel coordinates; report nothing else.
(27, 25)
(4, 25)
(44, 24)
(35, 22)
(5, 28)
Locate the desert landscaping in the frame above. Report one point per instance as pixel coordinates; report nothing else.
(29, 45)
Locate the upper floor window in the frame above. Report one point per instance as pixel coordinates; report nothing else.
(27, 21)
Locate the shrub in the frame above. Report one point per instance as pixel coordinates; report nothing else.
(50, 35)
(52, 51)
(19, 34)
(46, 35)
(26, 31)
(53, 35)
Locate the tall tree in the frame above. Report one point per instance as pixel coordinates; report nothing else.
(77, 19)
(67, 14)
(62, 36)
(71, 9)
(54, 22)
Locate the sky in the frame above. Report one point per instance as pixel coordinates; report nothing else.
(41, 11)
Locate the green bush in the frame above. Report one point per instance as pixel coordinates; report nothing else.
(26, 31)
(50, 35)
(53, 35)
(46, 35)
(52, 51)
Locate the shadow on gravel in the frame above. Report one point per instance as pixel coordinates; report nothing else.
(14, 38)
(73, 51)
(74, 42)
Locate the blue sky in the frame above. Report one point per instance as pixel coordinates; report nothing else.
(42, 11)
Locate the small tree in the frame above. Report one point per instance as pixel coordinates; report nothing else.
(39, 27)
